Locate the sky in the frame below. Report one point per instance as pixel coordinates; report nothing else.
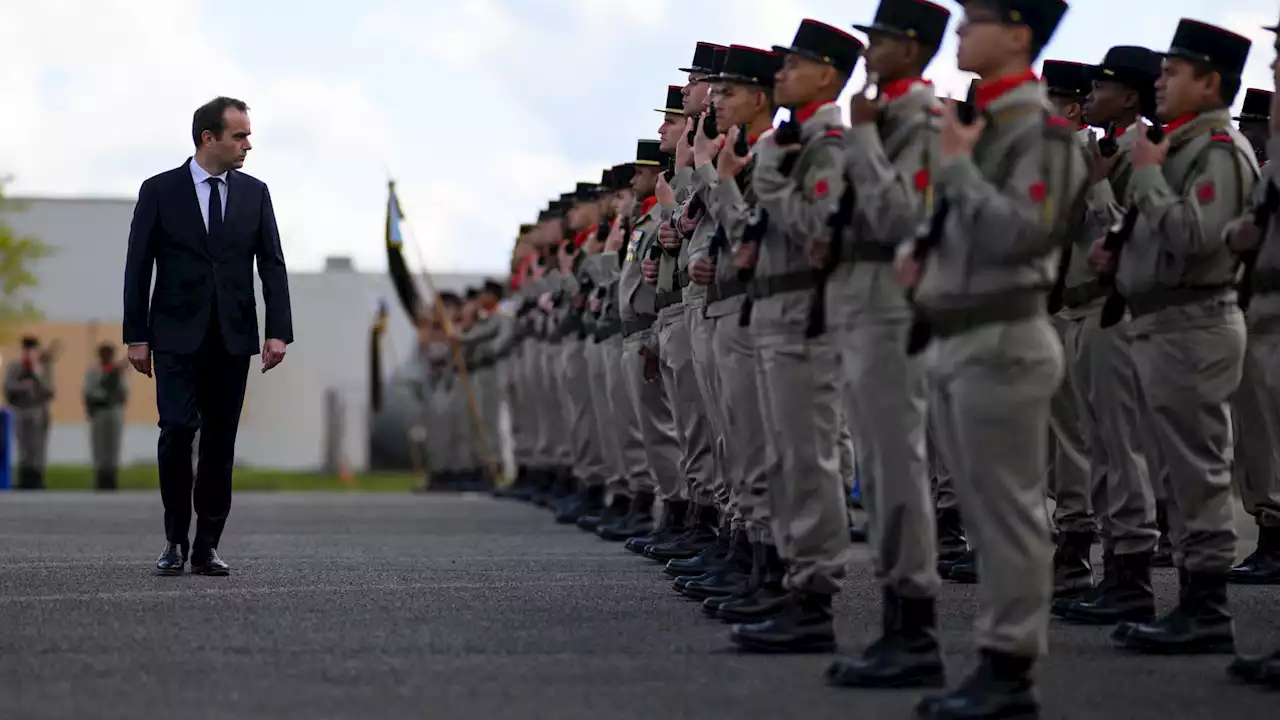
(480, 110)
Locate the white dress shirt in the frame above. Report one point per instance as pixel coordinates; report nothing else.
(201, 178)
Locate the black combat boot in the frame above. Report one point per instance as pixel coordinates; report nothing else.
(1128, 598)
(965, 569)
(1109, 576)
(1164, 548)
(638, 520)
(729, 578)
(906, 655)
(701, 534)
(952, 544)
(708, 560)
(104, 480)
(769, 596)
(544, 478)
(616, 510)
(1256, 669)
(711, 606)
(589, 502)
(517, 487)
(675, 516)
(1072, 569)
(1200, 625)
(1263, 566)
(1000, 687)
(803, 624)
(563, 489)
(29, 479)
(857, 532)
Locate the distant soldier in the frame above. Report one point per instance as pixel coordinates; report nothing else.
(105, 395)
(28, 389)
(1255, 121)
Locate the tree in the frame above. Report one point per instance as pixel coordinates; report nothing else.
(18, 254)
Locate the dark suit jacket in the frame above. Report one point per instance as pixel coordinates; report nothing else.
(193, 276)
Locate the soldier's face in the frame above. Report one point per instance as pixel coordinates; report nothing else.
(669, 132)
(1256, 131)
(889, 56)
(1105, 102)
(798, 80)
(1179, 92)
(986, 43)
(736, 104)
(622, 201)
(1068, 107)
(695, 94)
(645, 181)
(30, 356)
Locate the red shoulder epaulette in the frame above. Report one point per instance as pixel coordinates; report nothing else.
(1217, 135)
(835, 132)
(937, 112)
(1059, 121)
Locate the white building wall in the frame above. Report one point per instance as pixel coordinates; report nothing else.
(283, 422)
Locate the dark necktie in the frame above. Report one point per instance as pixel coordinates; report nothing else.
(215, 210)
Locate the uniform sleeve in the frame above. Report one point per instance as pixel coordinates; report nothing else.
(505, 337)
(732, 210)
(94, 392)
(14, 392)
(682, 184)
(804, 205)
(1014, 224)
(706, 183)
(45, 389)
(890, 200)
(1191, 224)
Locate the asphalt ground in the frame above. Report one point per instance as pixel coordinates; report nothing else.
(378, 606)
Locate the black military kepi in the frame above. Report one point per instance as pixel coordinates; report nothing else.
(1040, 16)
(649, 154)
(622, 175)
(586, 192)
(1130, 65)
(675, 100)
(825, 44)
(526, 228)
(748, 66)
(918, 20)
(1201, 42)
(704, 56)
(1257, 105)
(1067, 79)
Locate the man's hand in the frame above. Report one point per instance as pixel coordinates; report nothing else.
(906, 266)
(652, 370)
(702, 271)
(1102, 165)
(613, 243)
(958, 139)
(1148, 154)
(666, 196)
(687, 223)
(746, 256)
(594, 303)
(272, 353)
(649, 269)
(668, 237)
(684, 151)
(545, 303)
(819, 254)
(1243, 234)
(140, 358)
(705, 148)
(728, 164)
(1102, 260)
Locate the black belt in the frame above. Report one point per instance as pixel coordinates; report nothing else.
(725, 290)
(669, 298)
(631, 327)
(1266, 281)
(606, 330)
(775, 284)
(1163, 299)
(870, 252)
(1000, 308)
(1081, 295)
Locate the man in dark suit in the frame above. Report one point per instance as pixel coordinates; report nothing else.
(201, 226)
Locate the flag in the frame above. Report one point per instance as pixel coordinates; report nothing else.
(394, 217)
(396, 266)
(375, 358)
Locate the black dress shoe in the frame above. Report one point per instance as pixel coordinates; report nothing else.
(803, 625)
(172, 560)
(906, 655)
(1072, 569)
(857, 533)
(1263, 566)
(1255, 669)
(1127, 597)
(964, 570)
(207, 562)
(1000, 688)
(1199, 625)
(704, 562)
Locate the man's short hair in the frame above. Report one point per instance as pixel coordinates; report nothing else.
(209, 116)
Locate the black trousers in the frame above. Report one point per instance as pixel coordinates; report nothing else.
(201, 391)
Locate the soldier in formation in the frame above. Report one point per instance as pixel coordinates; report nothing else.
(1056, 292)
(29, 391)
(105, 395)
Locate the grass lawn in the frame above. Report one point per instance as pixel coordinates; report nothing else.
(244, 479)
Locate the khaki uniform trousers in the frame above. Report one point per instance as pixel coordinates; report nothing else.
(684, 395)
(1070, 483)
(545, 405)
(657, 426)
(1112, 411)
(605, 464)
(702, 342)
(512, 389)
(944, 486)
(1190, 361)
(562, 434)
(624, 420)
(576, 389)
(748, 464)
(442, 430)
(848, 454)
(1257, 413)
(884, 395)
(106, 428)
(990, 394)
(489, 445)
(800, 401)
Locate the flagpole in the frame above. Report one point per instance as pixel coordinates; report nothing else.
(455, 343)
